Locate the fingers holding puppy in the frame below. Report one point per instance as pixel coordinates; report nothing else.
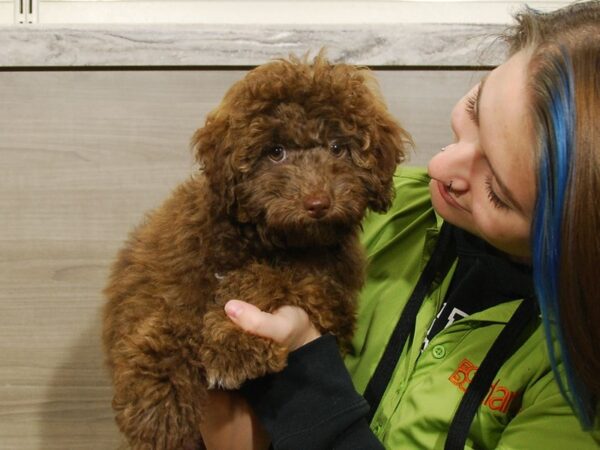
(289, 326)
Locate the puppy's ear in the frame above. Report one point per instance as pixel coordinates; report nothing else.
(389, 146)
(213, 149)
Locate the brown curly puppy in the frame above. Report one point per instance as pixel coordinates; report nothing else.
(292, 159)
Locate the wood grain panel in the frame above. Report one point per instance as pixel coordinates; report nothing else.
(70, 43)
(83, 155)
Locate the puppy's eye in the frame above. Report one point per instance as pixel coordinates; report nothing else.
(338, 149)
(276, 153)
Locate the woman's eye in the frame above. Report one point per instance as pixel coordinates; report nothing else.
(338, 149)
(277, 153)
(492, 196)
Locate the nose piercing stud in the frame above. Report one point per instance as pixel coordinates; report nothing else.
(449, 186)
(443, 149)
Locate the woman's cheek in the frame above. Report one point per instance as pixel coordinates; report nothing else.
(503, 231)
(485, 221)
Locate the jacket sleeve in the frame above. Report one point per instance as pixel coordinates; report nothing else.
(312, 403)
(545, 420)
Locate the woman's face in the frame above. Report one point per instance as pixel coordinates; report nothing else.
(490, 163)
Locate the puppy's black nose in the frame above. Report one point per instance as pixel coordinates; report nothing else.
(317, 204)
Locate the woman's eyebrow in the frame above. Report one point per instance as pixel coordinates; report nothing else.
(479, 91)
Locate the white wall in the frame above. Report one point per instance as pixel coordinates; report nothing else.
(271, 11)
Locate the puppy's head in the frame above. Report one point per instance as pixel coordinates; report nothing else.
(301, 150)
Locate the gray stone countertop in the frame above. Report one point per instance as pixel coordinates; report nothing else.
(147, 46)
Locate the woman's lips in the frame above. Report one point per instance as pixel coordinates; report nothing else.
(448, 198)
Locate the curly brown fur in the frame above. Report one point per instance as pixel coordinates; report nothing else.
(292, 159)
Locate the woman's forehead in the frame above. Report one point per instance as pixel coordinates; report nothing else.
(506, 133)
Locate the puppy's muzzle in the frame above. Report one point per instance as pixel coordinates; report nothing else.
(317, 204)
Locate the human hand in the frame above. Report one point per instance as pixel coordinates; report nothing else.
(288, 325)
(230, 424)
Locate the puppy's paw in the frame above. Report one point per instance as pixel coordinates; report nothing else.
(228, 370)
(230, 356)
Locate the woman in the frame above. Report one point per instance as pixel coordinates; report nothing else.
(469, 362)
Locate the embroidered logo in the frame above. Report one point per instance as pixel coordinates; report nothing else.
(499, 397)
(463, 375)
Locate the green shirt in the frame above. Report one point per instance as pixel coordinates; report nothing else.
(524, 409)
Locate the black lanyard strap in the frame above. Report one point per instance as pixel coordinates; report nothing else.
(503, 347)
(438, 265)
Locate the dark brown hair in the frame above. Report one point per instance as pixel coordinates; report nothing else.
(564, 97)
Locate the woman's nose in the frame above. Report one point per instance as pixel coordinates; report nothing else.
(458, 185)
(454, 166)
